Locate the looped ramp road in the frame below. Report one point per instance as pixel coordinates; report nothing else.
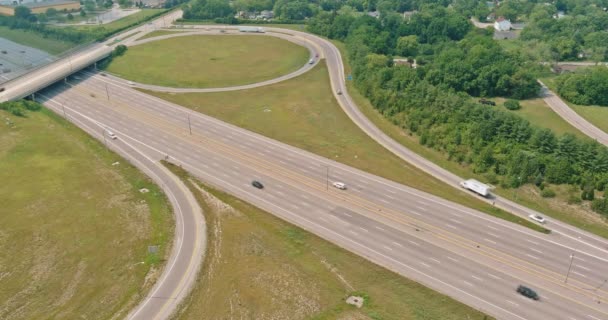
(466, 254)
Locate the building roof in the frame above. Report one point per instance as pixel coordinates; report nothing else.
(500, 19)
(47, 3)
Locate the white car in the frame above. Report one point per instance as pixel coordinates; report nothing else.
(537, 218)
(131, 83)
(340, 185)
(111, 134)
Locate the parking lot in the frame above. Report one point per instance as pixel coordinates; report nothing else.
(16, 59)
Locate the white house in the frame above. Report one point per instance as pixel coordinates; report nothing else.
(502, 24)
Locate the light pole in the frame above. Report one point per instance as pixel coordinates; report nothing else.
(569, 267)
(189, 125)
(63, 108)
(107, 92)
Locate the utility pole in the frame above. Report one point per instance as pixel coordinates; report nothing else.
(189, 125)
(570, 267)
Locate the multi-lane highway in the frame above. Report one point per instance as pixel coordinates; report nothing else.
(475, 258)
(466, 254)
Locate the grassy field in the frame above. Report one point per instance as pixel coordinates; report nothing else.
(537, 112)
(209, 61)
(74, 228)
(305, 114)
(597, 115)
(34, 40)
(158, 33)
(292, 274)
(121, 23)
(578, 216)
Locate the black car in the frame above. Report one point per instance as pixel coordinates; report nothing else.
(257, 184)
(527, 292)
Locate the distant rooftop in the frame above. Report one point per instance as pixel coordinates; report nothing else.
(40, 3)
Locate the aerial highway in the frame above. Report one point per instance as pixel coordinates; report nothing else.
(466, 254)
(477, 259)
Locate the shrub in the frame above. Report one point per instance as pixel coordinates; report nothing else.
(573, 199)
(512, 104)
(600, 206)
(547, 193)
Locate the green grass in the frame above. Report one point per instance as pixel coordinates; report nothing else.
(34, 40)
(529, 197)
(597, 115)
(121, 23)
(209, 61)
(304, 114)
(159, 33)
(292, 274)
(73, 226)
(538, 113)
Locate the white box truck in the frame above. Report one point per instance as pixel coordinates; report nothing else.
(476, 186)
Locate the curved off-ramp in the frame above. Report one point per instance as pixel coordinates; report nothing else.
(315, 54)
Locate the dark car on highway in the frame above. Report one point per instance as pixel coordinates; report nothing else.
(527, 292)
(257, 184)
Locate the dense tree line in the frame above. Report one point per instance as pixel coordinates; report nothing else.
(586, 87)
(433, 101)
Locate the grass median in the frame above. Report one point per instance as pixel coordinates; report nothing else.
(302, 112)
(74, 228)
(201, 61)
(259, 267)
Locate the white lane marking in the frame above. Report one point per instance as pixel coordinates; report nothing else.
(513, 303)
(354, 233)
(456, 221)
(435, 260)
(455, 214)
(494, 276)
(476, 278)
(579, 266)
(322, 219)
(347, 214)
(535, 250)
(592, 317)
(536, 243)
(386, 195)
(414, 212)
(392, 191)
(583, 260)
(295, 207)
(421, 208)
(490, 241)
(414, 243)
(282, 162)
(468, 283)
(580, 274)
(493, 235)
(455, 260)
(388, 248)
(493, 228)
(398, 244)
(280, 192)
(531, 256)
(364, 230)
(379, 228)
(306, 204)
(424, 264)
(384, 201)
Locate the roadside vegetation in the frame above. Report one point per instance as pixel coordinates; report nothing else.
(159, 33)
(75, 229)
(302, 112)
(292, 274)
(35, 40)
(210, 61)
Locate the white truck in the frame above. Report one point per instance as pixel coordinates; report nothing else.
(252, 29)
(476, 186)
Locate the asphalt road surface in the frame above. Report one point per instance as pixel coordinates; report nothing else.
(466, 254)
(573, 118)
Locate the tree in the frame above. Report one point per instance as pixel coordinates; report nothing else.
(51, 12)
(512, 104)
(407, 46)
(22, 12)
(70, 16)
(82, 13)
(89, 5)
